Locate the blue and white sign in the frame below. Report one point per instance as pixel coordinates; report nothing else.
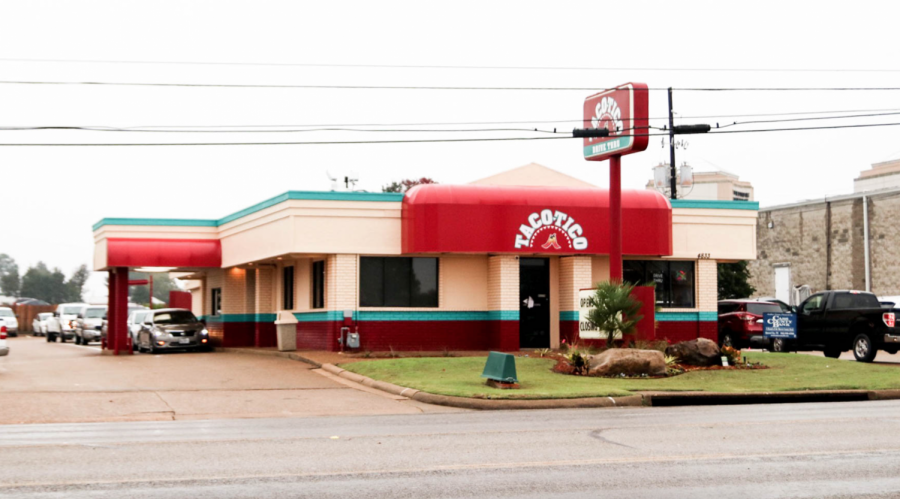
(780, 325)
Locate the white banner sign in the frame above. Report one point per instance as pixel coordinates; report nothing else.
(585, 328)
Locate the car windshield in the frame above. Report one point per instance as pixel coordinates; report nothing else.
(71, 310)
(175, 317)
(6, 313)
(94, 313)
(44, 315)
(764, 308)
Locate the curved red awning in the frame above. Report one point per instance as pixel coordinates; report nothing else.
(507, 219)
(187, 253)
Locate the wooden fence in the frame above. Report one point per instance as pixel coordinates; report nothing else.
(25, 314)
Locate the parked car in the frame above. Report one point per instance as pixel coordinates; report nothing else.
(88, 324)
(135, 319)
(837, 321)
(741, 322)
(62, 325)
(39, 324)
(784, 306)
(171, 328)
(4, 348)
(8, 318)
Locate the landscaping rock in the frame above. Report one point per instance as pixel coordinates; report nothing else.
(699, 352)
(627, 361)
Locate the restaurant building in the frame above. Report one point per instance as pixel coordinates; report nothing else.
(497, 264)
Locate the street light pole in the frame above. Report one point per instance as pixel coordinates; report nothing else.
(674, 195)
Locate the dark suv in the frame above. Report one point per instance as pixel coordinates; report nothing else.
(741, 322)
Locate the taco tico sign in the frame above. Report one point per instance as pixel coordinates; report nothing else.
(551, 230)
(622, 111)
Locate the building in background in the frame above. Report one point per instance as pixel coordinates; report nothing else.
(831, 243)
(884, 175)
(715, 185)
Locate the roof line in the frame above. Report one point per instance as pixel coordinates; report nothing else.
(832, 199)
(290, 195)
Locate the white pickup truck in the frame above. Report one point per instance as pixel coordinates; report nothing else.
(62, 324)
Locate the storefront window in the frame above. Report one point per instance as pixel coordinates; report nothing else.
(216, 302)
(287, 296)
(398, 282)
(318, 278)
(674, 280)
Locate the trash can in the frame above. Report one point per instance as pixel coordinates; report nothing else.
(286, 331)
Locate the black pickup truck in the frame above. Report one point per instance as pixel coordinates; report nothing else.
(837, 321)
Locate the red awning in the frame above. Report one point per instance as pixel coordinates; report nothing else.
(506, 219)
(182, 253)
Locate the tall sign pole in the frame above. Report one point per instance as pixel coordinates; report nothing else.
(622, 114)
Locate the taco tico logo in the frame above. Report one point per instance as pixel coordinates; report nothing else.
(551, 230)
(607, 115)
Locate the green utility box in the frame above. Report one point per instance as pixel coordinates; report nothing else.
(500, 367)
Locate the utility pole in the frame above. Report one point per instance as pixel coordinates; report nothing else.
(674, 195)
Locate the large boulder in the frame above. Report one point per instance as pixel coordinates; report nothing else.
(699, 352)
(628, 361)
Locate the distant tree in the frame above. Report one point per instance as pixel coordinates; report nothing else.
(162, 284)
(405, 185)
(10, 282)
(75, 284)
(734, 280)
(42, 283)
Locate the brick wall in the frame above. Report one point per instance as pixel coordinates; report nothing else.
(503, 283)
(824, 244)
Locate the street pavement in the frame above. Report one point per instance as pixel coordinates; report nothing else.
(44, 382)
(764, 451)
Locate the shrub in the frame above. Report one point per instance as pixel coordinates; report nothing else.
(614, 310)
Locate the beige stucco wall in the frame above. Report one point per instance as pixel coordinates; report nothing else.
(727, 235)
(599, 269)
(464, 280)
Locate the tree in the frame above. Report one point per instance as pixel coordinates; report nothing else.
(10, 283)
(162, 284)
(405, 185)
(733, 280)
(75, 285)
(614, 310)
(42, 283)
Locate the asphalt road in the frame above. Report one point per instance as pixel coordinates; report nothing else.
(766, 451)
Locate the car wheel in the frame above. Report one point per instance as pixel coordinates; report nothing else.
(77, 340)
(863, 348)
(49, 337)
(832, 353)
(62, 338)
(778, 345)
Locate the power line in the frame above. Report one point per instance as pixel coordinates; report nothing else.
(339, 128)
(498, 139)
(412, 87)
(467, 67)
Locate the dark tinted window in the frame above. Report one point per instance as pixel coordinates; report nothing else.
(287, 296)
(855, 300)
(318, 278)
(174, 317)
(763, 308)
(674, 280)
(216, 305)
(398, 282)
(727, 307)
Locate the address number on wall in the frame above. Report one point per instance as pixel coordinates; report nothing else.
(703, 256)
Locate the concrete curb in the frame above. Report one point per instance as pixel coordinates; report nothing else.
(655, 399)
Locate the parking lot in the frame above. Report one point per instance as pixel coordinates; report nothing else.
(44, 382)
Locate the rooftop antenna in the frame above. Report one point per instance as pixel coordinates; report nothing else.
(351, 180)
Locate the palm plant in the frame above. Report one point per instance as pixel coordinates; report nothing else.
(614, 310)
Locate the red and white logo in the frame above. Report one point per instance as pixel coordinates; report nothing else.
(551, 229)
(889, 319)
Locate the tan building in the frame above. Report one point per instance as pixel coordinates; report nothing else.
(885, 175)
(716, 185)
(496, 264)
(833, 243)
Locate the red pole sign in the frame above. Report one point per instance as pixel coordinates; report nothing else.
(623, 111)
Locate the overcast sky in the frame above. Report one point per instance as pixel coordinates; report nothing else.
(50, 196)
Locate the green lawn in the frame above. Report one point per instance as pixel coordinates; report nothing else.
(461, 377)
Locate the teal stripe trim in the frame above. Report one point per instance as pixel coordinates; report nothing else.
(170, 222)
(418, 315)
(687, 316)
(712, 204)
(240, 318)
(386, 197)
(569, 315)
